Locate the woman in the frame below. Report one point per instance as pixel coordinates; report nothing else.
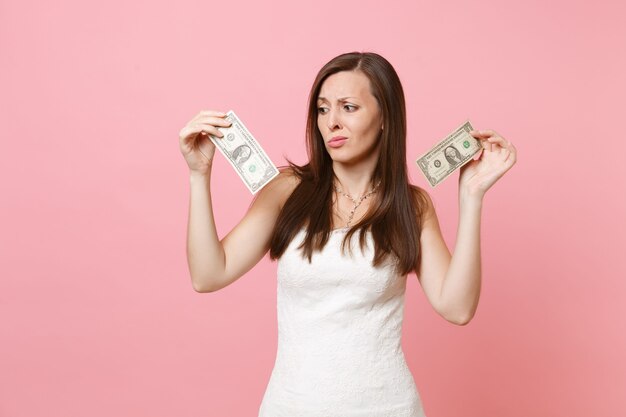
(340, 312)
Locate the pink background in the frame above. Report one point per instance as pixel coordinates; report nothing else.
(97, 313)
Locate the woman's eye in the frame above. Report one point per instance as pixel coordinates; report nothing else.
(350, 106)
(321, 110)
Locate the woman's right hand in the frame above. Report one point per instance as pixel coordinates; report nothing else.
(195, 144)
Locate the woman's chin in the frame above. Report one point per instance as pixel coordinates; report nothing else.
(343, 159)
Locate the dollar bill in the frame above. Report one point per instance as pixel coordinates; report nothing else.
(245, 154)
(457, 149)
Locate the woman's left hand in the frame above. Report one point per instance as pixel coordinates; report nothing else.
(498, 156)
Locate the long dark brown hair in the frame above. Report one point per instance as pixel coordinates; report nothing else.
(395, 213)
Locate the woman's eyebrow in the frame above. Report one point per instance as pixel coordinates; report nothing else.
(339, 99)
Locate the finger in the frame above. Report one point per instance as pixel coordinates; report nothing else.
(208, 113)
(189, 133)
(212, 120)
(483, 133)
(212, 113)
(500, 141)
(206, 128)
(512, 157)
(510, 160)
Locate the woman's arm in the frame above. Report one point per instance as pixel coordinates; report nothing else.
(460, 289)
(452, 283)
(205, 254)
(215, 264)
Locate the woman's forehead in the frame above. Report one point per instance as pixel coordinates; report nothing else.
(344, 85)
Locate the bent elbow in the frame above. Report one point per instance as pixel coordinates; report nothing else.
(458, 319)
(463, 320)
(201, 287)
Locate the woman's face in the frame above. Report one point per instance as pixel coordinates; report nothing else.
(347, 108)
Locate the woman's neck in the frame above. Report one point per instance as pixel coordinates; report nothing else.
(354, 181)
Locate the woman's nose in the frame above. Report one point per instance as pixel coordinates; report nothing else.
(333, 120)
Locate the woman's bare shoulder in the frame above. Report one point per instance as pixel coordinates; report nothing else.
(283, 185)
(419, 193)
(423, 200)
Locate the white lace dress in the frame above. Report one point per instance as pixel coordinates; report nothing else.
(339, 331)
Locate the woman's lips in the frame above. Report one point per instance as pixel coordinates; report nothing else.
(336, 143)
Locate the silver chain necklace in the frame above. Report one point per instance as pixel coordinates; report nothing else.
(356, 203)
